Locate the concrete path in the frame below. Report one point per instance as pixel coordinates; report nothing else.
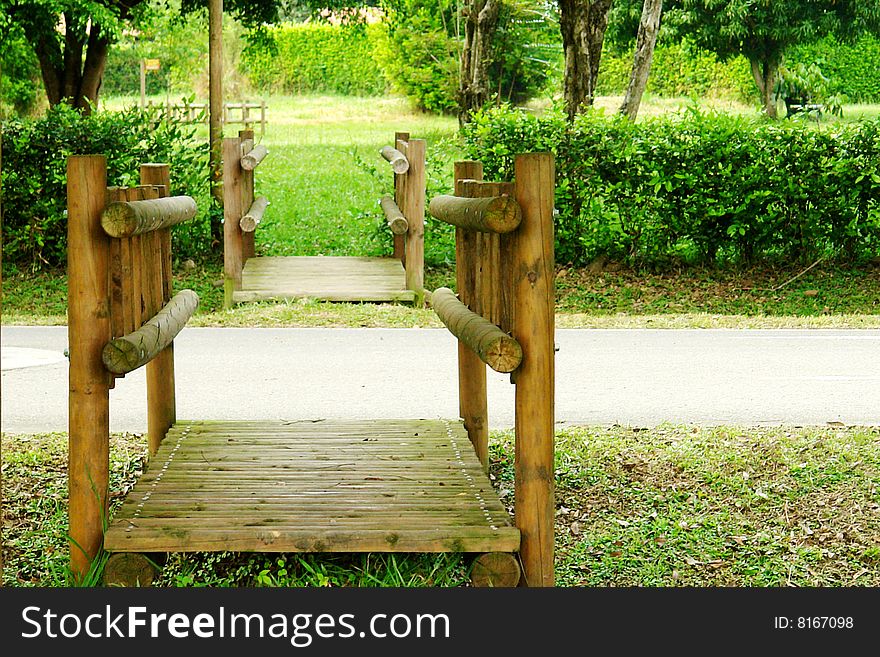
(638, 377)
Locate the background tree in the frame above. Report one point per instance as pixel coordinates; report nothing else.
(763, 30)
(649, 28)
(582, 24)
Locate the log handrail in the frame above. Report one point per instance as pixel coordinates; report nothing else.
(128, 353)
(396, 221)
(127, 218)
(397, 160)
(252, 159)
(494, 347)
(251, 220)
(494, 214)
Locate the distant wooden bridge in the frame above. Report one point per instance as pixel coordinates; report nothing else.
(330, 278)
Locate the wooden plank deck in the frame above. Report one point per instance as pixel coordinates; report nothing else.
(326, 486)
(323, 277)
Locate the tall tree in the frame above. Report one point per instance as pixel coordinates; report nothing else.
(649, 28)
(763, 30)
(583, 24)
(71, 38)
(481, 22)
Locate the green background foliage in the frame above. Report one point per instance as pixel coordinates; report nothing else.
(35, 155)
(697, 188)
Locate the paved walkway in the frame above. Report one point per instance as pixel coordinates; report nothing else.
(638, 377)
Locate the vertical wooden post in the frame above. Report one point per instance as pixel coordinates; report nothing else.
(262, 118)
(399, 195)
(472, 400)
(533, 282)
(88, 331)
(215, 94)
(143, 84)
(161, 401)
(415, 237)
(248, 250)
(232, 211)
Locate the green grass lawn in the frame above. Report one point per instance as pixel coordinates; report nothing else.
(668, 506)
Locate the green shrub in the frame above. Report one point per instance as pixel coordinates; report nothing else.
(852, 69)
(35, 155)
(680, 69)
(697, 188)
(315, 58)
(20, 86)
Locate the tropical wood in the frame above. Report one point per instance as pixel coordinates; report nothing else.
(359, 486)
(128, 353)
(251, 160)
(254, 215)
(129, 569)
(398, 161)
(161, 400)
(88, 331)
(396, 221)
(497, 349)
(496, 570)
(472, 398)
(124, 219)
(318, 277)
(232, 211)
(248, 247)
(533, 286)
(415, 190)
(499, 214)
(400, 139)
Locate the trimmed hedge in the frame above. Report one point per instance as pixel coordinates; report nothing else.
(315, 58)
(697, 188)
(853, 70)
(35, 155)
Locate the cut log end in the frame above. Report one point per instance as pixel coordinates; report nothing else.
(503, 354)
(496, 570)
(494, 214)
(397, 160)
(129, 569)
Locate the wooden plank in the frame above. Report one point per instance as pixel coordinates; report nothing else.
(397, 486)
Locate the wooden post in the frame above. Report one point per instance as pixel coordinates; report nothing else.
(88, 332)
(533, 284)
(415, 191)
(232, 210)
(472, 399)
(143, 84)
(161, 401)
(400, 138)
(247, 194)
(262, 118)
(215, 93)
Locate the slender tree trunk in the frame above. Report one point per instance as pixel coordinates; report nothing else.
(476, 57)
(765, 73)
(93, 69)
(582, 24)
(66, 77)
(649, 27)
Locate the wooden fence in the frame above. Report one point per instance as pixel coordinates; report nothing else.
(504, 318)
(121, 316)
(233, 113)
(242, 213)
(405, 212)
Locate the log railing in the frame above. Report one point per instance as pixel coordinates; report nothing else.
(504, 317)
(242, 213)
(405, 212)
(121, 316)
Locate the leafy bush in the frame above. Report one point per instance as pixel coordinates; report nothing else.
(851, 69)
(697, 187)
(35, 155)
(20, 87)
(679, 69)
(315, 58)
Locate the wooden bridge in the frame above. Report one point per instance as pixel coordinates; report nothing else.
(301, 486)
(255, 278)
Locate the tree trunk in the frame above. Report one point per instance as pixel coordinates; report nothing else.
(473, 86)
(66, 77)
(765, 72)
(649, 26)
(582, 24)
